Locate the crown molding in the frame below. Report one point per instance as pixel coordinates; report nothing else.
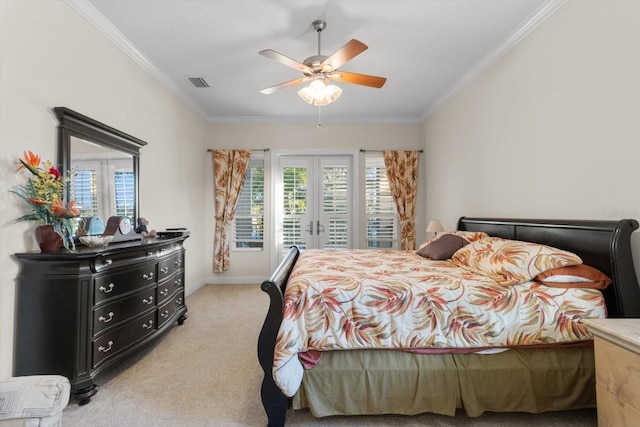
(97, 19)
(540, 15)
(325, 120)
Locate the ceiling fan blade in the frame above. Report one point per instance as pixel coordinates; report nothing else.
(272, 54)
(358, 79)
(272, 89)
(346, 53)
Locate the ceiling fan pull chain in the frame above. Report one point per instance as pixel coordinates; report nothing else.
(319, 115)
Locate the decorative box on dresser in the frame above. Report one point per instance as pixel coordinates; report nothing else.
(78, 312)
(617, 356)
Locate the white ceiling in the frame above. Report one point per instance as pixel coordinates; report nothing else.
(426, 49)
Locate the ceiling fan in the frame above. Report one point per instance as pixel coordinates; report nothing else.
(320, 69)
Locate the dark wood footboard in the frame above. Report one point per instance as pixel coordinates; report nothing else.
(274, 401)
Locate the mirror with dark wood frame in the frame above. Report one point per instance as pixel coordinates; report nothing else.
(103, 165)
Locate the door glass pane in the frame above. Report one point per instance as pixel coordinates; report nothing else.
(335, 206)
(293, 235)
(338, 234)
(294, 206)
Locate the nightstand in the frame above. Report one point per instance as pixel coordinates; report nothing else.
(617, 357)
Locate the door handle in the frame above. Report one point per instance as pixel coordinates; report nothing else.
(309, 229)
(319, 228)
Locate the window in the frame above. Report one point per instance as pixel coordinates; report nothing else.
(248, 222)
(123, 186)
(382, 220)
(84, 191)
(103, 187)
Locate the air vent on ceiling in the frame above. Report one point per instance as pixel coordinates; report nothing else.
(198, 81)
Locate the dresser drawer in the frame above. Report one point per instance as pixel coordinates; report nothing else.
(113, 260)
(169, 286)
(168, 266)
(119, 339)
(618, 372)
(117, 283)
(113, 313)
(166, 311)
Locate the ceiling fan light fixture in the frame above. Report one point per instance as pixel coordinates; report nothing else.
(320, 93)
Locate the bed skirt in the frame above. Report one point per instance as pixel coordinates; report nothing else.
(370, 382)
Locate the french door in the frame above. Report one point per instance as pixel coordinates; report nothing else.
(314, 203)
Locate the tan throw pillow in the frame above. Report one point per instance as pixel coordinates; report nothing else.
(443, 248)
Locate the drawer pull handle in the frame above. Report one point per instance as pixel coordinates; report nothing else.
(164, 292)
(148, 301)
(179, 301)
(147, 276)
(104, 319)
(148, 325)
(107, 289)
(106, 349)
(109, 262)
(178, 282)
(164, 314)
(164, 270)
(178, 262)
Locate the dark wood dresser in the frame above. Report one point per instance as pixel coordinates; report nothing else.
(78, 312)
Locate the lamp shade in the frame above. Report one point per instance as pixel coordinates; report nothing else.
(434, 226)
(320, 92)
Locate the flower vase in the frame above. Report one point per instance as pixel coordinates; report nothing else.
(47, 238)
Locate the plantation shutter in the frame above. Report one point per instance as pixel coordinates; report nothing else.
(382, 220)
(85, 192)
(248, 222)
(335, 205)
(294, 206)
(124, 192)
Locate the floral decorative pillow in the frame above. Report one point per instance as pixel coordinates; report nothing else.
(469, 236)
(510, 262)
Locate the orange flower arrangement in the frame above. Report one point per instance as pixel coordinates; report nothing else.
(44, 193)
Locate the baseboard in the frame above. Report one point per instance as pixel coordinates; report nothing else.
(223, 280)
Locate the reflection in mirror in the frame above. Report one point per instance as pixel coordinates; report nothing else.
(102, 164)
(102, 181)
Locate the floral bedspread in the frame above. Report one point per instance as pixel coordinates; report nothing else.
(366, 299)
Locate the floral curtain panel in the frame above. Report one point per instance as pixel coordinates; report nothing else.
(229, 170)
(402, 173)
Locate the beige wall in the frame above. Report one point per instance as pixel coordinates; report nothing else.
(50, 56)
(309, 139)
(551, 130)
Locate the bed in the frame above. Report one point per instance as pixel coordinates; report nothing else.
(366, 379)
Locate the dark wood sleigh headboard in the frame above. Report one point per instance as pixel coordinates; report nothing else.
(605, 245)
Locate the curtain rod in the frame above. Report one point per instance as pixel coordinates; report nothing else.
(250, 149)
(362, 150)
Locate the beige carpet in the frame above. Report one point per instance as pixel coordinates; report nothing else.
(206, 373)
